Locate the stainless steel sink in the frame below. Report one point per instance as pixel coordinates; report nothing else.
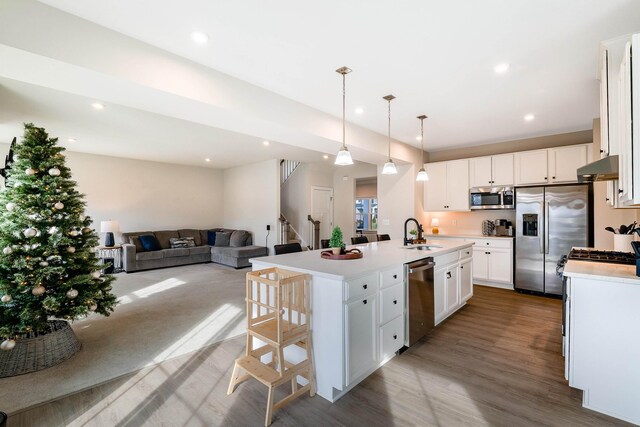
(422, 247)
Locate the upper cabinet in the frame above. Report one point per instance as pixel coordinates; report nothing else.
(491, 171)
(531, 167)
(448, 186)
(565, 161)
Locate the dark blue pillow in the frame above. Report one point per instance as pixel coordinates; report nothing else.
(211, 238)
(149, 243)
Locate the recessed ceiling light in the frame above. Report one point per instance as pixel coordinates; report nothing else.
(97, 106)
(529, 117)
(266, 143)
(359, 110)
(418, 138)
(325, 156)
(207, 159)
(501, 68)
(199, 37)
(71, 140)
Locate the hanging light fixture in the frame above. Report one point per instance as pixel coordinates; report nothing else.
(389, 168)
(422, 174)
(344, 157)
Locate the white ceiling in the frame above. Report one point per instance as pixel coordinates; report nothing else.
(436, 57)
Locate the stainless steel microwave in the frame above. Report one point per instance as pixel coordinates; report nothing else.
(491, 198)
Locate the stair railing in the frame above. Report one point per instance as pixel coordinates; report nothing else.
(314, 232)
(287, 167)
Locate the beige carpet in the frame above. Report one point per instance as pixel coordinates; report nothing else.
(162, 314)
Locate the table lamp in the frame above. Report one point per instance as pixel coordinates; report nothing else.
(435, 222)
(109, 227)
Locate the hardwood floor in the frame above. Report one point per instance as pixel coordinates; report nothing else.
(496, 362)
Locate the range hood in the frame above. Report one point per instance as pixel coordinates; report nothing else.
(605, 169)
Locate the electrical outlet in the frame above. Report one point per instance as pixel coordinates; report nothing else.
(268, 227)
(454, 222)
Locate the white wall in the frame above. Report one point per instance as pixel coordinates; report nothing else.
(396, 200)
(143, 195)
(252, 200)
(344, 195)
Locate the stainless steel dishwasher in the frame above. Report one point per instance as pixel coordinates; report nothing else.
(420, 306)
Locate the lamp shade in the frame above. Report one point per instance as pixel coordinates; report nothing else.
(389, 168)
(422, 175)
(435, 222)
(344, 157)
(109, 226)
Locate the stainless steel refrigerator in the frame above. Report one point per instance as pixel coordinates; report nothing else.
(550, 221)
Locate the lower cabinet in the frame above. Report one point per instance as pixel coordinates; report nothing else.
(362, 342)
(466, 280)
(391, 337)
(493, 261)
(452, 287)
(453, 284)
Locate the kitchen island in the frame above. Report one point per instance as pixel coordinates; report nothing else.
(601, 342)
(359, 307)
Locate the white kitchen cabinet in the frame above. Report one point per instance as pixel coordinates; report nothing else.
(500, 265)
(531, 167)
(565, 161)
(466, 280)
(493, 262)
(362, 336)
(452, 287)
(480, 264)
(491, 171)
(604, 103)
(448, 186)
(391, 337)
(439, 294)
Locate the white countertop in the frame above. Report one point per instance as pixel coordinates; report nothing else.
(376, 256)
(602, 271)
(466, 236)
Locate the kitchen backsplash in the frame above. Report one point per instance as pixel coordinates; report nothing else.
(467, 222)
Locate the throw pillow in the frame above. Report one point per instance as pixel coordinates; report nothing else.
(135, 240)
(149, 243)
(211, 238)
(238, 238)
(222, 238)
(182, 242)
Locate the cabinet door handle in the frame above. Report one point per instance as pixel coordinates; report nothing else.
(395, 336)
(364, 286)
(364, 301)
(395, 276)
(462, 266)
(448, 275)
(487, 243)
(395, 301)
(545, 178)
(602, 151)
(553, 177)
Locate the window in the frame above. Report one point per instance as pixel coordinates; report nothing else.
(367, 214)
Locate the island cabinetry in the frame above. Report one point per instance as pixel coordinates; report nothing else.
(361, 339)
(453, 284)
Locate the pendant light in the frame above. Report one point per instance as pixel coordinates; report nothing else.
(389, 168)
(344, 157)
(422, 174)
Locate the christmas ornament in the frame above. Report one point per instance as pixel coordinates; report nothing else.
(30, 232)
(86, 230)
(58, 206)
(93, 307)
(10, 206)
(72, 293)
(43, 263)
(73, 233)
(6, 298)
(7, 345)
(7, 250)
(30, 171)
(96, 274)
(71, 249)
(82, 217)
(53, 230)
(39, 290)
(54, 172)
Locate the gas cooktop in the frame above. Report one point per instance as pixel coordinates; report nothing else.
(602, 256)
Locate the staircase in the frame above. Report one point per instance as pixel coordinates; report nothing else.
(287, 167)
(288, 234)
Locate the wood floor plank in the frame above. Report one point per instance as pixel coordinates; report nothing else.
(496, 362)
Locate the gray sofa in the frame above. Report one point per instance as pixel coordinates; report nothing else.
(235, 253)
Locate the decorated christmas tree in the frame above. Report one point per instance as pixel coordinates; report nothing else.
(48, 266)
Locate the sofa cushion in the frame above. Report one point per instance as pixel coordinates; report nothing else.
(241, 252)
(181, 242)
(177, 252)
(164, 236)
(211, 238)
(238, 238)
(145, 256)
(222, 238)
(197, 250)
(135, 240)
(127, 235)
(190, 232)
(149, 242)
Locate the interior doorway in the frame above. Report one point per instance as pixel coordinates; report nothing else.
(366, 207)
(322, 209)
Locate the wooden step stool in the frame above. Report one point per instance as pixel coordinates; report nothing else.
(278, 314)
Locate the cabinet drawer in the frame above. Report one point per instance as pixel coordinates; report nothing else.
(493, 243)
(391, 337)
(361, 286)
(446, 259)
(466, 253)
(391, 276)
(391, 302)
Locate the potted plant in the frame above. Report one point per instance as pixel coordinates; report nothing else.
(336, 242)
(414, 234)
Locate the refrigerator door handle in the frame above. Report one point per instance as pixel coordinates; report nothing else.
(540, 232)
(546, 227)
